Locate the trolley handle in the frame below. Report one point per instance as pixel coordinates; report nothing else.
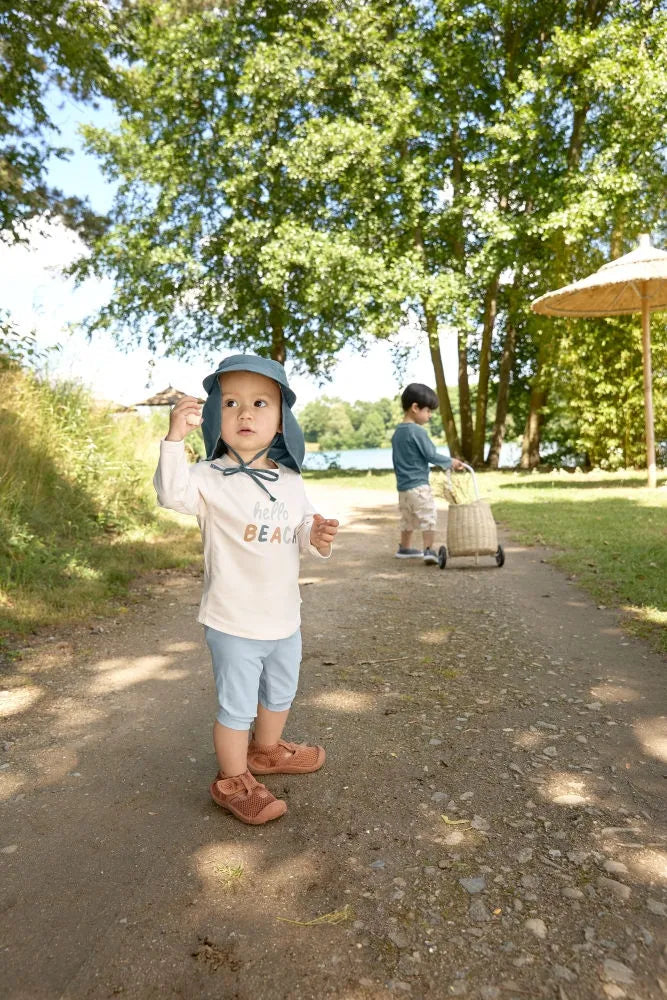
(470, 469)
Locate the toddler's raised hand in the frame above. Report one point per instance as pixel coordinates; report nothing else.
(323, 533)
(184, 417)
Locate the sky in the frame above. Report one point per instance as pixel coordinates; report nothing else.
(41, 299)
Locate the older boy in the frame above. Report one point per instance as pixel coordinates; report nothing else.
(412, 452)
(252, 539)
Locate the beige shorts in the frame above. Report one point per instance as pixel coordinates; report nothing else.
(417, 508)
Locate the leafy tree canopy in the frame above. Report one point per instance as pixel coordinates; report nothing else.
(59, 44)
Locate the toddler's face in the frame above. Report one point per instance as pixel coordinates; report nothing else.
(251, 412)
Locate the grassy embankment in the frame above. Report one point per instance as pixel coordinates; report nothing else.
(606, 529)
(78, 518)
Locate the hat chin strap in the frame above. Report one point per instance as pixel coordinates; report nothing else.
(268, 475)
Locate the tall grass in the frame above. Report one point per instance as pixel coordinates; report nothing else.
(78, 512)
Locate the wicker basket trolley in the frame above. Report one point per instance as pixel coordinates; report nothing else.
(471, 530)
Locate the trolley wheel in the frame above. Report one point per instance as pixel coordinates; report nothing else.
(442, 557)
(500, 556)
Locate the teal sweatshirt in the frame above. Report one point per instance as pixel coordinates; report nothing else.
(412, 451)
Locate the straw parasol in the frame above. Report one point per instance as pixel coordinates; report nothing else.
(167, 397)
(636, 282)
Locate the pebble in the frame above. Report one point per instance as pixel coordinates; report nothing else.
(569, 799)
(616, 972)
(399, 986)
(473, 885)
(656, 907)
(571, 893)
(434, 742)
(550, 751)
(458, 989)
(378, 863)
(489, 992)
(594, 706)
(615, 867)
(613, 991)
(646, 936)
(536, 927)
(562, 972)
(9, 849)
(454, 838)
(478, 912)
(399, 938)
(439, 796)
(617, 889)
(524, 855)
(529, 881)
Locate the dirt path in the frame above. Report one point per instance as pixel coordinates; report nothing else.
(490, 822)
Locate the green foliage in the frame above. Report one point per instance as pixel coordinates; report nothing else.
(46, 43)
(292, 182)
(596, 410)
(335, 424)
(17, 348)
(78, 509)
(222, 234)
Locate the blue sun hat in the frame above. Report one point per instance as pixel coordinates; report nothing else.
(288, 447)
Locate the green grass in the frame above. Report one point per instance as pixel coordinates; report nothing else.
(78, 517)
(606, 529)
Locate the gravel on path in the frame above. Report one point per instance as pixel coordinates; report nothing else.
(490, 822)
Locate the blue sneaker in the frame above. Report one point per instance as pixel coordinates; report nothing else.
(430, 557)
(404, 553)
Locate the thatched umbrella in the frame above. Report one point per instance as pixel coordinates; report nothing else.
(167, 397)
(636, 282)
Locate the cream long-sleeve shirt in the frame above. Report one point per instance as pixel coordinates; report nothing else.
(252, 546)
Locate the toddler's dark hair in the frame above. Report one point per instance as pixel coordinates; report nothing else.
(420, 394)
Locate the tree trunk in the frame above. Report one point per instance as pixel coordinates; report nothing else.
(530, 447)
(465, 407)
(448, 422)
(277, 331)
(539, 392)
(479, 434)
(431, 322)
(458, 247)
(502, 402)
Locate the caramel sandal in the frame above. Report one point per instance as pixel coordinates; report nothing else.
(247, 799)
(284, 758)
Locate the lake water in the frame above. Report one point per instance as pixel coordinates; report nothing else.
(380, 458)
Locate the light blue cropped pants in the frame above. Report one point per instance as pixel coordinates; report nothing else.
(249, 672)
